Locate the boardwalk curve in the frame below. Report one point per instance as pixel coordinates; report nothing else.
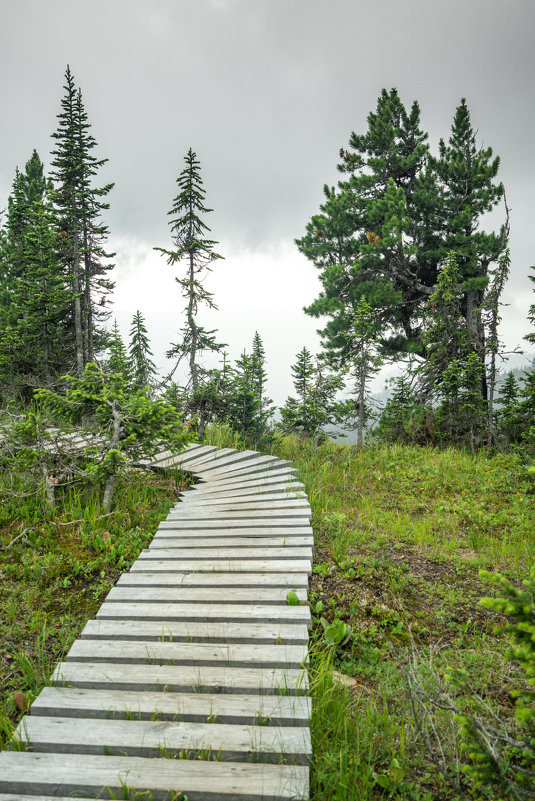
(191, 680)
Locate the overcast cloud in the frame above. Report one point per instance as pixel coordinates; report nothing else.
(266, 92)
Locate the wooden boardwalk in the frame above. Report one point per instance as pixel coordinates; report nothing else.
(192, 677)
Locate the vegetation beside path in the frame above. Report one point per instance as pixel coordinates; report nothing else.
(401, 534)
(56, 567)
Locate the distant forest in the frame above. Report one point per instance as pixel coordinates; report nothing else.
(408, 275)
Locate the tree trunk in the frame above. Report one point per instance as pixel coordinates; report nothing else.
(193, 328)
(114, 444)
(476, 331)
(48, 483)
(362, 397)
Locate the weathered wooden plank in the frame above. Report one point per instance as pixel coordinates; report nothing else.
(178, 678)
(200, 513)
(171, 539)
(193, 595)
(167, 577)
(282, 566)
(102, 776)
(216, 459)
(180, 653)
(277, 527)
(244, 554)
(278, 710)
(192, 454)
(235, 523)
(297, 532)
(204, 612)
(148, 738)
(277, 501)
(213, 472)
(257, 475)
(196, 631)
(253, 488)
(285, 482)
(214, 456)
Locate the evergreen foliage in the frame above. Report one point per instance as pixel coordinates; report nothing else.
(78, 207)
(386, 230)
(316, 405)
(141, 365)
(133, 425)
(188, 231)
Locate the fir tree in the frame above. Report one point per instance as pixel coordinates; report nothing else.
(79, 206)
(509, 421)
(316, 405)
(188, 231)
(118, 362)
(446, 339)
(365, 241)
(244, 411)
(467, 190)
(384, 231)
(142, 367)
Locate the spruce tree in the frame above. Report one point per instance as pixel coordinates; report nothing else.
(35, 300)
(508, 415)
(384, 232)
(188, 230)
(316, 406)
(141, 365)
(467, 190)
(366, 242)
(79, 206)
(259, 361)
(446, 339)
(244, 412)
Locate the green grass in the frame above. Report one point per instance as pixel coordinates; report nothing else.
(401, 534)
(56, 574)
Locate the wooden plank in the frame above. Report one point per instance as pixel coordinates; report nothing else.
(179, 678)
(167, 577)
(244, 554)
(228, 458)
(148, 738)
(180, 653)
(214, 456)
(202, 513)
(192, 454)
(97, 776)
(205, 612)
(282, 478)
(258, 476)
(278, 710)
(276, 501)
(238, 523)
(196, 631)
(192, 595)
(283, 566)
(170, 539)
(259, 464)
(201, 534)
(253, 488)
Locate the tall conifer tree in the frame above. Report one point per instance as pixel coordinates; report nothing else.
(188, 231)
(79, 205)
(142, 367)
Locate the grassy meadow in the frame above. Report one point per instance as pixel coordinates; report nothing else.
(401, 534)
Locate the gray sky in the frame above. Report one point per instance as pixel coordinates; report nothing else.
(266, 92)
